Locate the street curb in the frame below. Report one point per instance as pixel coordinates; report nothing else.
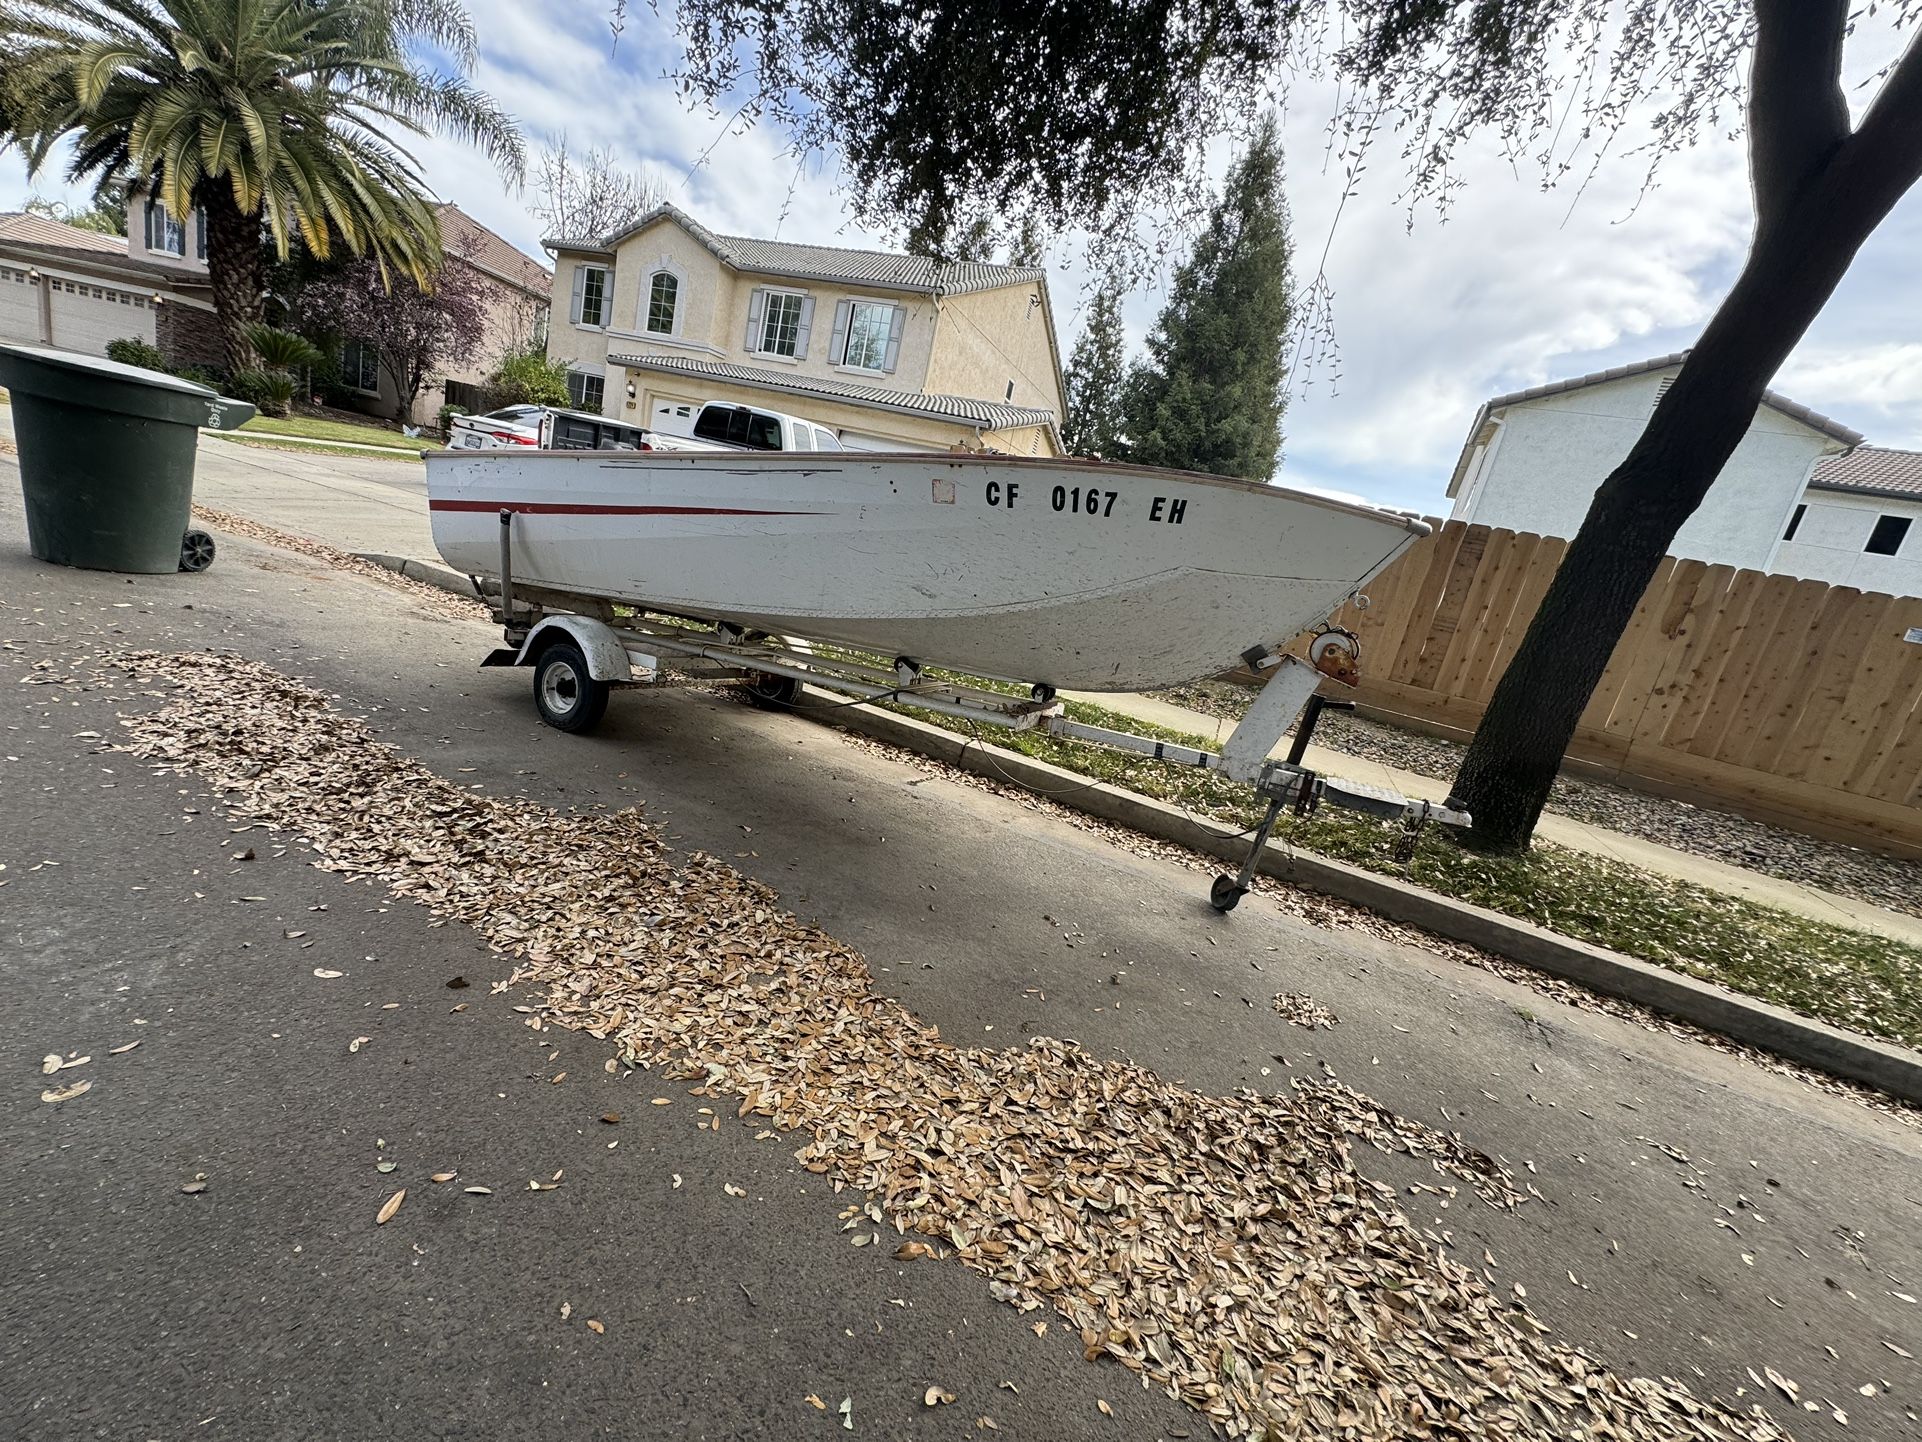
(1795, 1038)
(404, 453)
(446, 580)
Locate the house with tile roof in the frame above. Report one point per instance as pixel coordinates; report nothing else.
(889, 351)
(1533, 460)
(1859, 523)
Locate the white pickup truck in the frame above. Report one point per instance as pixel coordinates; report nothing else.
(713, 426)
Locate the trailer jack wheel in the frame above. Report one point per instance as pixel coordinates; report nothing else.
(777, 693)
(1226, 893)
(567, 696)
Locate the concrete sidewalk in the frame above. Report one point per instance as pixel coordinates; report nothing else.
(379, 506)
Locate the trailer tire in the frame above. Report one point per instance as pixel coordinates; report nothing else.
(566, 695)
(775, 693)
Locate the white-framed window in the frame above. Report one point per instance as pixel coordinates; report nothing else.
(779, 322)
(360, 366)
(590, 296)
(662, 304)
(165, 235)
(586, 390)
(867, 335)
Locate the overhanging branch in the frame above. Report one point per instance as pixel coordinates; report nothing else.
(1885, 153)
(1798, 116)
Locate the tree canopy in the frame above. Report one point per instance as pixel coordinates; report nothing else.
(1208, 396)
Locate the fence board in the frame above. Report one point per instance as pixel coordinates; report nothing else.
(1524, 549)
(1448, 610)
(1780, 653)
(1880, 706)
(1720, 644)
(1542, 567)
(1791, 695)
(1722, 706)
(1438, 560)
(1689, 629)
(1470, 634)
(1658, 650)
(1831, 681)
(1623, 658)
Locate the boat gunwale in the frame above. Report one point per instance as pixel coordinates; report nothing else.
(773, 461)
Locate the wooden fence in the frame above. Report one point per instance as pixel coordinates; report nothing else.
(1790, 701)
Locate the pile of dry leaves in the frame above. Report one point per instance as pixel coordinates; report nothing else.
(1225, 1248)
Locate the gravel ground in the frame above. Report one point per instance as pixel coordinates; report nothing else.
(1720, 835)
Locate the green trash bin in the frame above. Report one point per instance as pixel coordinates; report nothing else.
(107, 456)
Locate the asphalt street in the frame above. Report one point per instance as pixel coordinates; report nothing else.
(1698, 1217)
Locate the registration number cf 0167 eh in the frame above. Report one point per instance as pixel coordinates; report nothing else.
(1085, 501)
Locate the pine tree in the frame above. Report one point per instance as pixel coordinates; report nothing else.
(1096, 376)
(1208, 396)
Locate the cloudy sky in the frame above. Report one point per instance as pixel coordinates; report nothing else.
(1519, 286)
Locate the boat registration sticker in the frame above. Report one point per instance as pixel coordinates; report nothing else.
(943, 491)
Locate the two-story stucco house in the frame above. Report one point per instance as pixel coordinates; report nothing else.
(891, 352)
(1533, 461)
(1860, 524)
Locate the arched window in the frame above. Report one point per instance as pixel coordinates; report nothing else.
(663, 292)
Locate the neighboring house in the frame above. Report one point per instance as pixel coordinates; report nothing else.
(1857, 523)
(517, 288)
(1534, 459)
(78, 289)
(889, 351)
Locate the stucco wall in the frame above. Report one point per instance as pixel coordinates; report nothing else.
(1835, 527)
(1551, 453)
(584, 347)
(991, 337)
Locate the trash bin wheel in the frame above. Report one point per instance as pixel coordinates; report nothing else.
(1225, 894)
(196, 551)
(568, 698)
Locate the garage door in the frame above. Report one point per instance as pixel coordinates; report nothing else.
(19, 307)
(866, 441)
(86, 317)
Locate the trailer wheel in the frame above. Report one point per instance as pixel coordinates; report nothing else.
(568, 698)
(776, 693)
(1225, 894)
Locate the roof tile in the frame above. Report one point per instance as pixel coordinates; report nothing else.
(1871, 471)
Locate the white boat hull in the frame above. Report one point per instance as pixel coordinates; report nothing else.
(1074, 574)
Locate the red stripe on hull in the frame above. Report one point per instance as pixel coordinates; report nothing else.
(547, 508)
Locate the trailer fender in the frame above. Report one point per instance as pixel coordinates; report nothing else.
(606, 656)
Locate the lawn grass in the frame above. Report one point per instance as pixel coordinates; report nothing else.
(1848, 978)
(268, 443)
(315, 428)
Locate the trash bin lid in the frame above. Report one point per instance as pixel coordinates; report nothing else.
(71, 378)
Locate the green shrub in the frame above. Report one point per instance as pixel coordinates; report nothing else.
(531, 379)
(271, 392)
(446, 416)
(132, 351)
(281, 350)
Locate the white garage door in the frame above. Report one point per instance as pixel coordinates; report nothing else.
(86, 317)
(19, 307)
(864, 441)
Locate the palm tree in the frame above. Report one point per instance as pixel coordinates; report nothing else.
(286, 116)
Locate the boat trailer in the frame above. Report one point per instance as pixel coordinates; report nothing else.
(582, 648)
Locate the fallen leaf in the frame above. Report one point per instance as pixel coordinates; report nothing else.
(443, 1176)
(67, 1094)
(912, 1251)
(732, 1190)
(126, 1046)
(1102, 1403)
(389, 1207)
(935, 1396)
(479, 1191)
(455, 983)
(567, 1310)
(663, 1101)
(611, 1118)
(358, 1042)
(815, 1402)
(846, 1409)
(558, 1077)
(193, 1188)
(385, 1166)
(1899, 1351)
(247, 855)
(327, 974)
(596, 1327)
(50, 1063)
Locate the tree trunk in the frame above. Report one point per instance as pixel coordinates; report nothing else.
(237, 271)
(1796, 263)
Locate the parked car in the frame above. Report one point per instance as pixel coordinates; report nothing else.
(509, 426)
(746, 427)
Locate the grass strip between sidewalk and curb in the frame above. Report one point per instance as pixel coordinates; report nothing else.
(1850, 979)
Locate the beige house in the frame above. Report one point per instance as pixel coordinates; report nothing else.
(891, 352)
